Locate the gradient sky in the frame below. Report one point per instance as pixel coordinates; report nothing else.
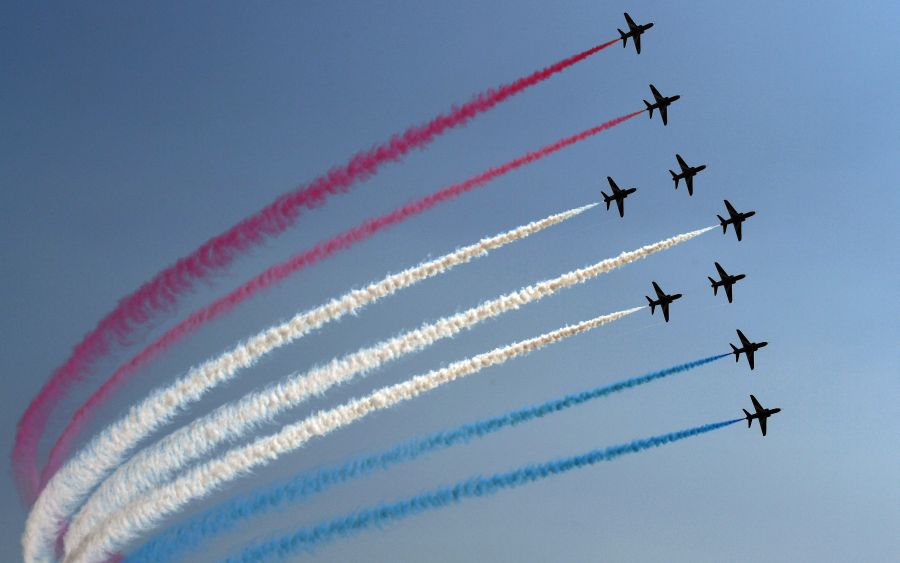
(133, 133)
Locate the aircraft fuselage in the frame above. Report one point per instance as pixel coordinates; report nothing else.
(740, 218)
(637, 30)
(729, 280)
(765, 413)
(690, 172)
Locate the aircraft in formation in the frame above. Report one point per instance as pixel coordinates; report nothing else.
(687, 173)
(663, 300)
(725, 280)
(734, 218)
(661, 103)
(747, 347)
(618, 195)
(635, 31)
(761, 414)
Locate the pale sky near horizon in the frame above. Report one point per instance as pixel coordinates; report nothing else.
(133, 133)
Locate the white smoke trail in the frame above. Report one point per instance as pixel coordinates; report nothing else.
(147, 512)
(157, 464)
(68, 488)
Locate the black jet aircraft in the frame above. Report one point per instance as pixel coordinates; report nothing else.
(663, 300)
(726, 281)
(747, 347)
(687, 172)
(734, 218)
(618, 195)
(635, 31)
(661, 103)
(761, 414)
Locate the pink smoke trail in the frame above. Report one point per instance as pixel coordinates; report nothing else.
(162, 292)
(281, 271)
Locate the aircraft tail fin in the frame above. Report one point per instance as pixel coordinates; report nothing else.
(624, 38)
(736, 352)
(714, 285)
(723, 223)
(649, 107)
(607, 199)
(749, 420)
(674, 177)
(652, 304)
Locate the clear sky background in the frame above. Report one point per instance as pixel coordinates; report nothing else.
(133, 133)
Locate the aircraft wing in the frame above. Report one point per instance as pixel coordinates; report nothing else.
(728, 291)
(630, 21)
(737, 229)
(656, 93)
(637, 43)
(689, 181)
(744, 342)
(612, 184)
(620, 203)
(731, 210)
(659, 292)
(762, 424)
(749, 354)
(664, 114)
(665, 309)
(722, 273)
(682, 163)
(756, 404)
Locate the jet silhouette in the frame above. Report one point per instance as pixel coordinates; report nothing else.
(734, 218)
(661, 103)
(635, 31)
(618, 195)
(726, 281)
(663, 300)
(687, 172)
(747, 347)
(761, 415)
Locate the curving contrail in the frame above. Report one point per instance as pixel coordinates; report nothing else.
(162, 293)
(279, 272)
(214, 522)
(161, 405)
(147, 512)
(312, 537)
(157, 464)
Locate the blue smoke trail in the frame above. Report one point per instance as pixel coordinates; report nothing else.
(309, 538)
(218, 520)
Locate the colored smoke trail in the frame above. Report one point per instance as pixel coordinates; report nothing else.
(212, 523)
(281, 271)
(92, 405)
(163, 292)
(110, 447)
(104, 452)
(312, 537)
(157, 464)
(147, 512)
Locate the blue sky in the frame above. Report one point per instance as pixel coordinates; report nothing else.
(134, 133)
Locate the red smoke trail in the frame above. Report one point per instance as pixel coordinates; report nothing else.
(283, 270)
(162, 292)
